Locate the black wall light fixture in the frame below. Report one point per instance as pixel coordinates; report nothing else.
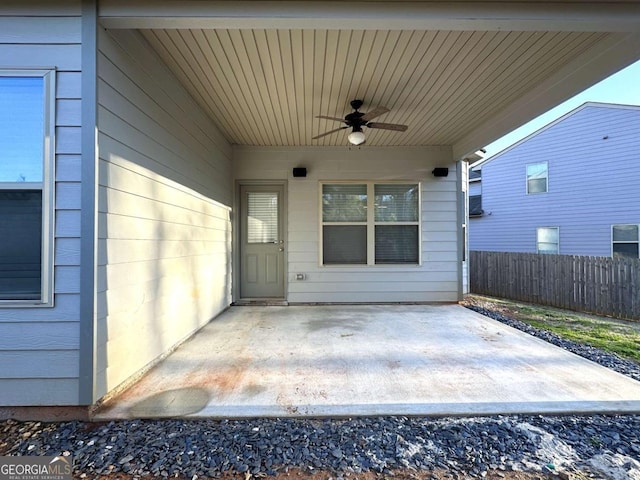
(299, 172)
(440, 172)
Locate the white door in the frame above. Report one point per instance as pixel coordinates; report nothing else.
(261, 241)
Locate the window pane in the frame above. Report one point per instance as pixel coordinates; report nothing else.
(396, 203)
(344, 245)
(628, 250)
(344, 203)
(537, 170)
(548, 235)
(537, 178)
(537, 185)
(396, 244)
(262, 217)
(20, 244)
(21, 129)
(625, 233)
(548, 248)
(548, 240)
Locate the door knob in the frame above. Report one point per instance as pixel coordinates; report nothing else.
(281, 249)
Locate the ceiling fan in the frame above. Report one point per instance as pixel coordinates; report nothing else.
(356, 120)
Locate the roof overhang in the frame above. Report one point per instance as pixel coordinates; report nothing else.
(459, 73)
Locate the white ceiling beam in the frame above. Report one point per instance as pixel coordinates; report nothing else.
(604, 59)
(592, 16)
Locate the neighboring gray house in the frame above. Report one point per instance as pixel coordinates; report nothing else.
(148, 148)
(572, 187)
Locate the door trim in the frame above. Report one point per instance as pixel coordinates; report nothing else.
(235, 245)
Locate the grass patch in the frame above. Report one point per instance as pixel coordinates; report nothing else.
(615, 336)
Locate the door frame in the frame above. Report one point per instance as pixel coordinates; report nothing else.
(236, 246)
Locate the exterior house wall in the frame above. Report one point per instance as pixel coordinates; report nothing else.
(165, 191)
(435, 280)
(39, 347)
(593, 184)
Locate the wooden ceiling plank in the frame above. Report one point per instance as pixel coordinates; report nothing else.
(220, 68)
(544, 63)
(240, 81)
(280, 84)
(461, 67)
(297, 61)
(444, 47)
(191, 53)
(486, 72)
(327, 88)
(244, 41)
(361, 44)
(526, 63)
(342, 72)
(261, 96)
(308, 48)
(270, 96)
(183, 70)
(421, 79)
(408, 44)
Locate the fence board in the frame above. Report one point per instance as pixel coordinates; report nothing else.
(601, 285)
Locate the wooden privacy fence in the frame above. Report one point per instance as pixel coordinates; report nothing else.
(601, 285)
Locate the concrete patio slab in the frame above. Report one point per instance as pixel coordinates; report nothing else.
(351, 360)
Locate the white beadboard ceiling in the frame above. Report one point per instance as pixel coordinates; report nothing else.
(264, 87)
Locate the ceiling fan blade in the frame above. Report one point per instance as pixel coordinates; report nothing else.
(331, 118)
(328, 133)
(376, 112)
(387, 126)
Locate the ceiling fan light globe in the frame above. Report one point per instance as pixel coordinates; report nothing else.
(356, 138)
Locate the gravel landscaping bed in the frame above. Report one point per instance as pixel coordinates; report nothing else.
(567, 447)
(464, 447)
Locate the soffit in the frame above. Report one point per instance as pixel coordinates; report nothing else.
(265, 87)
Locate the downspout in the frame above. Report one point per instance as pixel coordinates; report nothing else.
(88, 221)
(461, 169)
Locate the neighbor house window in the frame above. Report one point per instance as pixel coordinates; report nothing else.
(537, 177)
(548, 240)
(26, 164)
(370, 223)
(625, 240)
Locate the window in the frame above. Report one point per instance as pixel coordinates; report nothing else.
(537, 177)
(475, 206)
(548, 240)
(26, 206)
(625, 240)
(370, 224)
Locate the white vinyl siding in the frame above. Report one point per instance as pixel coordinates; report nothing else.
(39, 347)
(165, 190)
(435, 279)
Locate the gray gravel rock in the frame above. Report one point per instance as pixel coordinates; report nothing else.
(468, 446)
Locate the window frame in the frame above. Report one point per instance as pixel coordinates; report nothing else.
(526, 178)
(637, 242)
(46, 186)
(370, 223)
(557, 229)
